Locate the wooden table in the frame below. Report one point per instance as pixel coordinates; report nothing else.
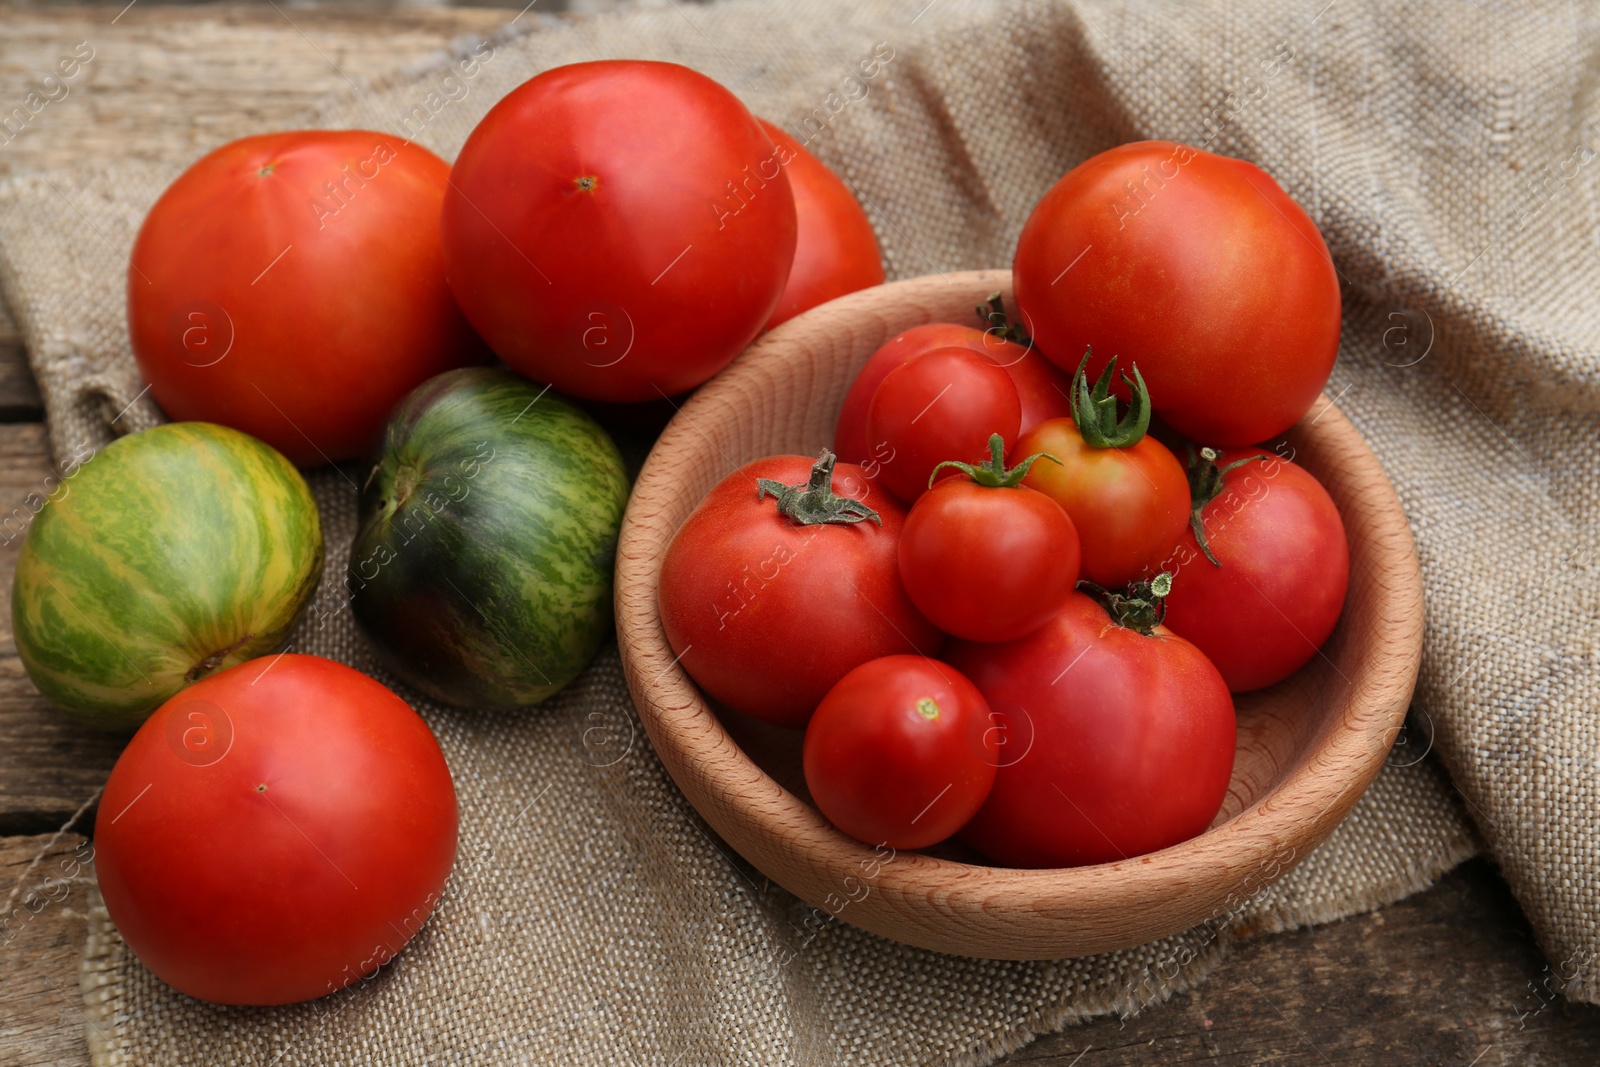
(1450, 976)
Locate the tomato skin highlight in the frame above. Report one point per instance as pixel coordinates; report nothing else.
(1128, 505)
(1042, 388)
(620, 229)
(292, 286)
(296, 856)
(900, 752)
(1285, 559)
(767, 615)
(988, 564)
(1196, 267)
(1127, 741)
(836, 251)
(942, 405)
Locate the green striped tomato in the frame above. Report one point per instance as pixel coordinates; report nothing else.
(179, 551)
(481, 569)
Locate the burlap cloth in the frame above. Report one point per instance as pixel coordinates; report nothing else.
(592, 918)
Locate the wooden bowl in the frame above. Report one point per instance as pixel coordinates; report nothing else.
(1307, 748)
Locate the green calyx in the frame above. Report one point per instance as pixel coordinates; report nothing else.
(992, 313)
(1140, 606)
(1205, 485)
(1094, 411)
(813, 502)
(992, 472)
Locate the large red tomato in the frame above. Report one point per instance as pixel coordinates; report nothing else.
(620, 229)
(275, 832)
(1282, 566)
(770, 597)
(1198, 268)
(1041, 386)
(901, 752)
(1125, 739)
(835, 250)
(291, 285)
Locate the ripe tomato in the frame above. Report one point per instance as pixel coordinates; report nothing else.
(620, 229)
(292, 286)
(275, 831)
(1282, 566)
(985, 557)
(835, 250)
(1126, 493)
(943, 405)
(1126, 740)
(1041, 385)
(770, 597)
(1198, 268)
(900, 752)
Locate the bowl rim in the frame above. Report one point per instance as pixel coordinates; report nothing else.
(1302, 806)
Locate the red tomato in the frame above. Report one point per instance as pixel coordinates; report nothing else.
(1041, 386)
(275, 831)
(1283, 564)
(620, 229)
(835, 250)
(291, 285)
(1126, 493)
(900, 752)
(986, 558)
(943, 405)
(767, 612)
(1198, 268)
(1126, 740)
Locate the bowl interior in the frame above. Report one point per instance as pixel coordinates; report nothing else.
(1306, 749)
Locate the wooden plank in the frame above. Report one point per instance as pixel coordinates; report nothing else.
(48, 766)
(1449, 976)
(19, 396)
(167, 81)
(42, 932)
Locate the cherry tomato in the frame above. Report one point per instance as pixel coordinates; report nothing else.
(1126, 493)
(985, 557)
(943, 405)
(275, 831)
(1124, 741)
(901, 752)
(769, 597)
(291, 285)
(1282, 567)
(1198, 268)
(1042, 388)
(835, 250)
(620, 229)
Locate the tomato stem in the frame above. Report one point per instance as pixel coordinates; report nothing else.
(992, 472)
(992, 313)
(1094, 411)
(814, 502)
(1205, 485)
(1140, 606)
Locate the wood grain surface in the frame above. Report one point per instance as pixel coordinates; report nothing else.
(167, 83)
(1448, 977)
(1307, 748)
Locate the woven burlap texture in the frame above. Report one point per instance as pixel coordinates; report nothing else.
(592, 918)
